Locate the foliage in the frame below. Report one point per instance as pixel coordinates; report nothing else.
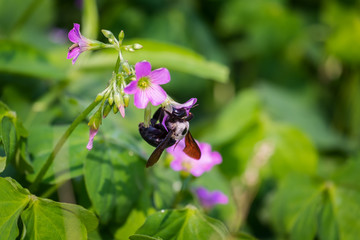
(277, 84)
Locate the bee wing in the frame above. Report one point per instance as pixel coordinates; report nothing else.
(191, 148)
(154, 157)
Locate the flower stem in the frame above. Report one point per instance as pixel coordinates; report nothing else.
(147, 116)
(59, 145)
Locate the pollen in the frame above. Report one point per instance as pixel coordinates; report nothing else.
(144, 82)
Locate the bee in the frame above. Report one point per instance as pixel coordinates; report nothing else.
(166, 129)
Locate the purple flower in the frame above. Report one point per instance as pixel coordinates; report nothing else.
(80, 45)
(92, 134)
(183, 162)
(147, 85)
(209, 199)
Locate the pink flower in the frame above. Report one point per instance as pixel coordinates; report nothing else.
(210, 199)
(147, 85)
(183, 162)
(80, 45)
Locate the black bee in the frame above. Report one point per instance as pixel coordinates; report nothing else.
(167, 128)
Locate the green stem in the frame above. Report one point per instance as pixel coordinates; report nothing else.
(147, 115)
(59, 145)
(117, 65)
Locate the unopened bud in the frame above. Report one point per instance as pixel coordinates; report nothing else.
(126, 67)
(99, 97)
(121, 35)
(106, 110)
(126, 100)
(111, 99)
(118, 99)
(115, 109)
(107, 33)
(137, 46)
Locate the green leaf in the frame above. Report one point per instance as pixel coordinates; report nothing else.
(114, 178)
(238, 115)
(187, 223)
(8, 136)
(294, 152)
(304, 206)
(13, 200)
(69, 161)
(19, 58)
(2, 163)
(46, 219)
(163, 55)
(296, 206)
(134, 221)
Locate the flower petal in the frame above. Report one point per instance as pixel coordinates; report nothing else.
(142, 69)
(92, 134)
(131, 88)
(74, 35)
(73, 53)
(160, 76)
(141, 99)
(189, 104)
(219, 198)
(156, 94)
(122, 110)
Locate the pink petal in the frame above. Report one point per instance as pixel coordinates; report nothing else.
(142, 69)
(176, 165)
(141, 99)
(216, 158)
(189, 104)
(73, 53)
(122, 110)
(156, 94)
(74, 34)
(131, 88)
(220, 198)
(160, 76)
(92, 134)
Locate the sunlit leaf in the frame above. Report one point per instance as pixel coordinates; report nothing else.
(46, 219)
(114, 177)
(163, 55)
(8, 136)
(13, 200)
(305, 207)
(293, 152)
(19, 58)
(182, 224)
(238, 115)
(69, 161)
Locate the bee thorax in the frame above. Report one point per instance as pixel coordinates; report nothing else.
(179, 129)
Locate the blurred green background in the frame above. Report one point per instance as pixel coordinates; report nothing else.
(280, 72)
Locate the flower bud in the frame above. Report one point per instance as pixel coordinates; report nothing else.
(115, 109)
(126, 67)
(126, 100)
(137, 46)
(111, 99)
(99, 97)
(118, 99)
(109, 35)
(121, 35)
(106, 110)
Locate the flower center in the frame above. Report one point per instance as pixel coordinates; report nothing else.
(144, 83)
